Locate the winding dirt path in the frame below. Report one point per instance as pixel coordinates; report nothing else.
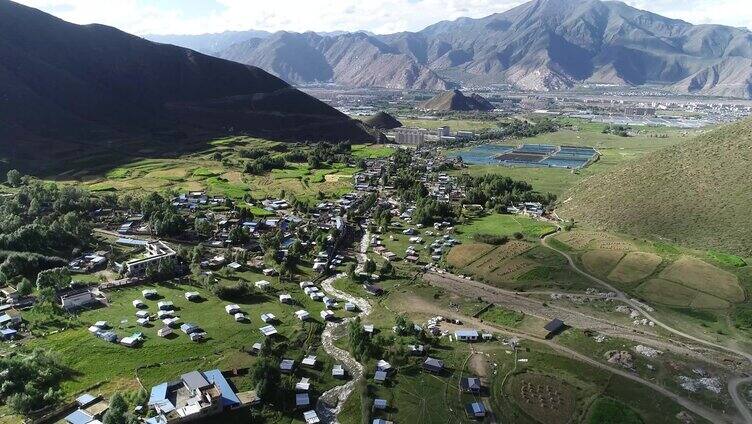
(331, 402)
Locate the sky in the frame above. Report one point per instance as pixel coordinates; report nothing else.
(143, 17)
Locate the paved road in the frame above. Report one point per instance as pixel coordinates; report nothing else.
(733, 384)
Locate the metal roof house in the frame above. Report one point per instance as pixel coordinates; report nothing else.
(268, 330)
(475, 410)
(196, 395)
(311, 417)
(554, 327)
(433, 365)
(338, 371)
(466, 335)
(287, 366)
(471, 385)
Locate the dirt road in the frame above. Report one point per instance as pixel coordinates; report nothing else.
(419, 305)
(330, 403)
(535, 307)
(733, 383)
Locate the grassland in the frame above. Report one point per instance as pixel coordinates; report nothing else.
(373, 151)
(115, 367)
(691, 194)
(610, 411)
(502, 225)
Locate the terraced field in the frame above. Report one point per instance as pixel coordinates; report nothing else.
(225, 177)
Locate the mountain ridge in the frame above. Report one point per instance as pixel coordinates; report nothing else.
(541, 45)
(71, 85)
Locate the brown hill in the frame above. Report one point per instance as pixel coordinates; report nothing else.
(383, 121)
(66, 88)
(697, 193)
(455, 100)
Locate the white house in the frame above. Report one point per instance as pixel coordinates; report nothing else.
(466, 335)
(326, 314)
(262, 284)
(76, 299)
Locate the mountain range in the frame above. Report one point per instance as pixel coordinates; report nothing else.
(214, 43)
(455, 100)
(65, 87)
(540, 45)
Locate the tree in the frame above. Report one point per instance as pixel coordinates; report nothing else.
(24, 287)
(202, 226)
(387, 269)
(13, 178)
(117, 413)
(265, 374)
(55, 278)
(351, 271)
(369, 267)
(239, 236)
(30, 381)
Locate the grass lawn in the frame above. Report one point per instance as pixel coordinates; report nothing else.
(502, 225)
(372, 151)
(196, 171)
(611, 411)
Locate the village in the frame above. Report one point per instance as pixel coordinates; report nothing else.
(227, 240)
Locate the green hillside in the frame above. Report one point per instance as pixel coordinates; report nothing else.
(698, 193)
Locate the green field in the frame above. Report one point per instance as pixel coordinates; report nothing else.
(195, 171)
(503, 225)
(372, 151)
(97, 362)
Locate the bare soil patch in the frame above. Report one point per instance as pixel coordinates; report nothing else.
(545, 399)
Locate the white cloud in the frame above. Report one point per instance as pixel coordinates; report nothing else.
(384, 16)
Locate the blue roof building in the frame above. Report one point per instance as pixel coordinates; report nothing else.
(158, 394)
(229, 398)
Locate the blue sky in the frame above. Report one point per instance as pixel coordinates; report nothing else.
(382, 16)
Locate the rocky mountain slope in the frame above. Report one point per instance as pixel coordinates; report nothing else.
(540, 45)
(65, 85)
(696, 193)
(208, 43)
(455, 100)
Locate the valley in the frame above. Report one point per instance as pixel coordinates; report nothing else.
(540, 216)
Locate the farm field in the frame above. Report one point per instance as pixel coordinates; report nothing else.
(202, 171)
(694, 290)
